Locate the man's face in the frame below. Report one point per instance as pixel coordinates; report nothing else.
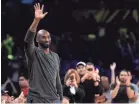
(81, 69)
(123, 76)
(23, 83)
(90, 67)
(44, 39)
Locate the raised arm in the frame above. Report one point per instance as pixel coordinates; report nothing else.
(114, 91)
(29, 38)
(112, 67)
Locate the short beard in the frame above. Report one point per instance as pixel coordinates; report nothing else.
(44, 45)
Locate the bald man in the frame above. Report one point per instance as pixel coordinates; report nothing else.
(43, 64)
(106, 88)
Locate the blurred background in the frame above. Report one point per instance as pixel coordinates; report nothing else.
(98, 31)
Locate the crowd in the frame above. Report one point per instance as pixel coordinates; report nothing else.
(85, 85)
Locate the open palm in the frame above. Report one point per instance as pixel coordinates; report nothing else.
(39, 11)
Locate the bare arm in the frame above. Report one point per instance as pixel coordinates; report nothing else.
(114, 92)
(112, 67)
(130, 92)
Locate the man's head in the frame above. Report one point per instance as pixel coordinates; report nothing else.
(23, 81)
(90, 66)
(43, 39)
(105, 82)
(81, 68)
(123, 76)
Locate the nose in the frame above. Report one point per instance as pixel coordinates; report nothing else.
(46, 40)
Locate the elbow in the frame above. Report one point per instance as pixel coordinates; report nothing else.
(134, 99)
(112, 95)
(130, 96)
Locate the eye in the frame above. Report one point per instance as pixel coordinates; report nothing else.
(43, 37)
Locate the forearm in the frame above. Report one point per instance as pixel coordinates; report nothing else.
(84, 77)
(112, 77)
(114, 92)
(130, 93)
(134, 99)
(34, 25)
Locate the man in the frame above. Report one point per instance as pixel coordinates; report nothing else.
(90, 65)
(24, 86)
(23, 82)
(122, 91)
(90, 82)
(43, 64)
(106, 85)
(81, 68)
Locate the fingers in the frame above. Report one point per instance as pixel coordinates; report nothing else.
(45, 13)
(37, 6)
(97, 71)
(117, 79)
(42, 7)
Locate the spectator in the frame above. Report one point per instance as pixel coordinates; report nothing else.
(72, 92)
(106, 88)
(90, 82)
(81, 68)
(122, 91)
(24, 86)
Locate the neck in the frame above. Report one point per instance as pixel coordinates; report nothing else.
(23, 88)
(46, 50)
(122, 83)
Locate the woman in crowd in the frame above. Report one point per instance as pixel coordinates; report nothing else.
(72, 92)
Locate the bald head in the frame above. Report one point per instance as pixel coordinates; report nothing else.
(105, 82)
(42, 32)
(104, 78)
(43, 38)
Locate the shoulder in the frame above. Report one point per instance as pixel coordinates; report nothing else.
(134, 86)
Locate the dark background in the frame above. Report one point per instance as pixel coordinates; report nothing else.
(70, 22)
